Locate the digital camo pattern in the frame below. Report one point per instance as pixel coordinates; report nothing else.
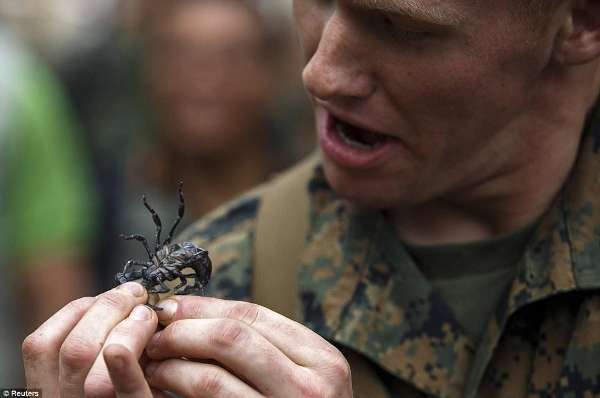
(228, 235)
(361, 289)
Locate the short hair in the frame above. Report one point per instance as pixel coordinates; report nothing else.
(538, 8)
(535, 13)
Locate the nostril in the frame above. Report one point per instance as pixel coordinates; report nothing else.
(328, 81)
(320, 79)
(309, 79)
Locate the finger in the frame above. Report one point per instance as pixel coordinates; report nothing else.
(125, 372)
(83, 344)
(159, 394)
(300, 344)
(236, 346)
(194, 379)
(41, 348)
(132, 334)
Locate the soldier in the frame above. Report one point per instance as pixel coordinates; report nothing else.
(449, 243)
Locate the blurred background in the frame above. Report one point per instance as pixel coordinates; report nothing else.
(102, 101)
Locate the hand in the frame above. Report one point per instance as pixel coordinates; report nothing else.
(62, 356)
(237, 349)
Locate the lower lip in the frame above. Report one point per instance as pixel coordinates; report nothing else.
(340, 152)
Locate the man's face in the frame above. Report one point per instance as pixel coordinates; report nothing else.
(420, 99)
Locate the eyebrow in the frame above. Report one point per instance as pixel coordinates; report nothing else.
(414, 9)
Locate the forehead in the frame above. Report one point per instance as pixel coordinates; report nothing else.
(214, 20)
(447, 12)
(468, 15)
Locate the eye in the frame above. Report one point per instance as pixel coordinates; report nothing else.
(399, 32)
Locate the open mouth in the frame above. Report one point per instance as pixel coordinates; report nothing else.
(357, 137)
(351, 146)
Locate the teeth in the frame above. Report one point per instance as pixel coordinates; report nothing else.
(347, 137)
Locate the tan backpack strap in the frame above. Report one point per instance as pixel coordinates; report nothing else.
(280, 237)
(281, 228)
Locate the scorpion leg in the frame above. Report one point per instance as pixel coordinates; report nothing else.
(139, 238)
(132, 263)
(155, 308)
(134, 275)
(163, 288)
(157, 222)
(183, 283)
(181, 277)
(180, 212)
(196, 287)
(123, 277)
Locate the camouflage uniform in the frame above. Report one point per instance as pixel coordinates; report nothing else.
(361, 290)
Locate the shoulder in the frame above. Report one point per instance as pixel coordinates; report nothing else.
(229, 232)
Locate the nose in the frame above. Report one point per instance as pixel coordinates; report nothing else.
(336, 71)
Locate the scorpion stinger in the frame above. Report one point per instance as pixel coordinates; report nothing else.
(157, 222)
(180, 212)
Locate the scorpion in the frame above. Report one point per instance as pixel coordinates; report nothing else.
(168, 260)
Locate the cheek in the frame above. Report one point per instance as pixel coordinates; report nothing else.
(461, 91)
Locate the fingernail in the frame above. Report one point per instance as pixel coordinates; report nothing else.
(117, 363)
(169, 308)
(134, 288)
(141, 313)
(150, 369)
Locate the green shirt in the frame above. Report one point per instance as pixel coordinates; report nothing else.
(47, 202)
(481, 270)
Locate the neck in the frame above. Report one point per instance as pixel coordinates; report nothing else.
(518, 193)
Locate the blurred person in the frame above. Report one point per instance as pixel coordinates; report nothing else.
(211, 69)
(46, 205)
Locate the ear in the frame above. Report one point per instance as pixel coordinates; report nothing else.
(578, 41)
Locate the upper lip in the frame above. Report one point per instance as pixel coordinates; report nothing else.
(352, 120)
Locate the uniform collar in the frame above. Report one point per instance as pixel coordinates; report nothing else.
(360, 288)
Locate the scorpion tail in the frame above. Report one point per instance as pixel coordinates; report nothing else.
(180, 213)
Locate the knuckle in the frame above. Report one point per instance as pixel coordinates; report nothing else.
(126, 330)
(76, 353)
(171, 339)
(339, 368)
(245, 312)
(115, 300)
(171, 334)
(307, 384)
(309, 389)
(80, 304)
(208, 382)
(34, 347)
(230, 334)
(45, 340)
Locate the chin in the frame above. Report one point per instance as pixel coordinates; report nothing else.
(367, 190)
